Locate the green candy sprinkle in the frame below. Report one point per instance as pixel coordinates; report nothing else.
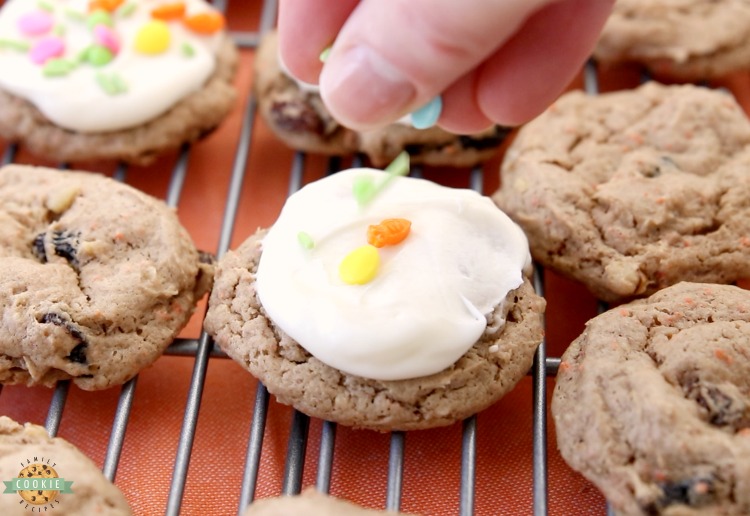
(59, 30)
(45, 6)
(324, 54)
(364, 188)
(112, 84)
(15, 44)
(305, 240)
(98, 55)
(187, 50)
(98, 17)
(75, 15)
(58, 67)
(126, 10)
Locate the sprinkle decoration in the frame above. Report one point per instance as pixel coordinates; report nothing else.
(35, 23)
(112, 84)
(98, 17)
(74, 15)
(205, 23)
(187, 49)
(153, 38)
(364, 188)
(104, 5)
(45, 5)
(166, 12)
(15, 44)
(46, 49)
(324, 54)
(58, 67)
(98, 55)
(126, 10)
(427, 116)
(305, 240)
(360, 266)
(388, 232)
(106, 37)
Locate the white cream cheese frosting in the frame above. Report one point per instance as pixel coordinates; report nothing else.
(147, 84)
(429, 300)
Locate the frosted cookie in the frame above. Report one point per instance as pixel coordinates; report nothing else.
(689, 40)
(74, 484)
(652, 402)
(112, 79)
(96, 278)
(310, 503)
(430, 322)
(632, 191)
(296, 114)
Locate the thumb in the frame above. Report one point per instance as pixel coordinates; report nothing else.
(393, 56)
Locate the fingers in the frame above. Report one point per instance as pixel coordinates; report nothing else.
(306, 28)
(461, 111)
(528, 73)
(393, 57)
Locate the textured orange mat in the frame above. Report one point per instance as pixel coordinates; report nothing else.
(432, 458)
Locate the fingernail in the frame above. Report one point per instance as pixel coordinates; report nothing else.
(361, 88)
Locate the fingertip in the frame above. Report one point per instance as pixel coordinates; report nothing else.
(461, 113)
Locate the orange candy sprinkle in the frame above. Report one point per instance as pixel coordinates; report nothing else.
(106, 5)
(205, 23)
(171, 11)
(388, 232)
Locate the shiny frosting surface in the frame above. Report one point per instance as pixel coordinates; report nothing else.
(429, 300)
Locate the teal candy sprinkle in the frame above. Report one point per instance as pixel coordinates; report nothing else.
(305, 240)
(126, 10)
(187, 50)
(364, 188)
(427, 116)
(15, 44)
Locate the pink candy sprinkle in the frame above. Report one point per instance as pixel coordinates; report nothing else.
(36, 23)
(47, 48)
(106, 37)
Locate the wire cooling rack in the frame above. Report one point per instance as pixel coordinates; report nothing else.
(202, 351)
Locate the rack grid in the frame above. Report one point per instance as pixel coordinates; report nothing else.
(202, 350)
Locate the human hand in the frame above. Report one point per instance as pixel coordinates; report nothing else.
(493, 61)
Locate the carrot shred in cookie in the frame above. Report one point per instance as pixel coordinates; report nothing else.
(205, 23)
(172, 11)
(722, 355)
(388, 232)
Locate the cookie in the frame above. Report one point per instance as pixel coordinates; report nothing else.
(28, 453)
(690, 40)
(120, 81)
(632, 191)
(652, 402)
(96, 278)
(296, 114)
(429, 323)
(311, 503)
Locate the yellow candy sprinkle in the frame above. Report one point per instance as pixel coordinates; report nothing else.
(153, 38)
(360, 266)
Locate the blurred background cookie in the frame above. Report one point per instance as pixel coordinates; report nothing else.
(311, 503)
(296, 114)
(652, 402)
(629, 192)
(112, 80)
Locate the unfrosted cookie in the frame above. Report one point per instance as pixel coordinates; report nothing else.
(96, 278)
(441, 327)
(632, 191)
(652, 402)
(310, 503)
(110, 79)
(685, 39)
(296, 114)
(29, 453)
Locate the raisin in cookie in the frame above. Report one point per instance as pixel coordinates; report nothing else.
(118, 83)
(311, 503)
(296, 114)
(689, 40)
(407, 335)
(96, 278)
(632, 191)
(652, 402)
(28, 452)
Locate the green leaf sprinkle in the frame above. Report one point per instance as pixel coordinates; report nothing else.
(112, 84)
(58, 67)
(364, 188)
(324, 54)
(187, 49)
(15, 44)
(126, 10)
(75, 15)
(305, 240)
(45, 5)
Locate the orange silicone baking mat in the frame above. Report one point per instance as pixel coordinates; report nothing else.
(243, 157)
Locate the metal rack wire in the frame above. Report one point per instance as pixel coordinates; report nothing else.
(202, 350)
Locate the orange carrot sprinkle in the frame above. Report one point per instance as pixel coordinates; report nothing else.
(388, 232)
(106, 5)
(205, 23)
(722, 355)
(166, 12)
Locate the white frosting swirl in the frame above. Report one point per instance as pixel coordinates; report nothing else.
(428, 303)
(76, 101)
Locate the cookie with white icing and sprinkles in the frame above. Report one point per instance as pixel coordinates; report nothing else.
(112, 79)
(652, 402)
(296, 114)
(674, 38)
(379, 303)
(96, 278)
(66, 481)
(632, 191)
